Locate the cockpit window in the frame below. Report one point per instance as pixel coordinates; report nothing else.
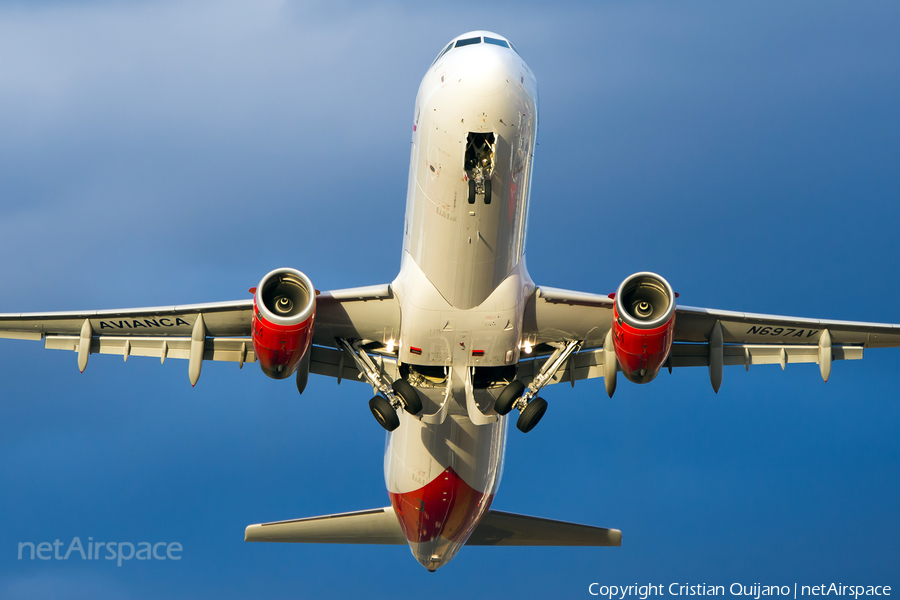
(468, 42)
(472, 41)
(443, 52)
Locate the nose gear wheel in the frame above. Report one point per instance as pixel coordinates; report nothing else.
(478, 164)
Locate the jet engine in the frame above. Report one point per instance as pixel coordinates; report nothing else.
(284, 312)
(643, 325)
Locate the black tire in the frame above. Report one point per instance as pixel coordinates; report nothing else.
(471, 191)
(512, 392)
(412, 403)
(487, 191)
(532, 415)
(384, 413)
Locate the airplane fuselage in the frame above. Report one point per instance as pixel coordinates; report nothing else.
(462, 287)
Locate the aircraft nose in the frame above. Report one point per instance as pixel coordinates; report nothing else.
(489, 73)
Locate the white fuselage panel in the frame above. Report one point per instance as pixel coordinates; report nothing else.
(462, 288)
(465, 249)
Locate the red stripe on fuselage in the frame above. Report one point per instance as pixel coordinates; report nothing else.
(447, 507)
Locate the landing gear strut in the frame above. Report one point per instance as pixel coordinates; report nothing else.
(516, 395)
(392, 396)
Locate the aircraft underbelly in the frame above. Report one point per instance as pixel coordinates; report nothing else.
(467, 245)
(442, 477)
(463, 286)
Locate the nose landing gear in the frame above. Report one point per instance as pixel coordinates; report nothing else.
(479, 164)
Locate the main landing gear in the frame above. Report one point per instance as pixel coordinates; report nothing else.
(391, 396)
(516, 395)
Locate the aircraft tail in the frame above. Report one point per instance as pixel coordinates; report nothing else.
(380, 526)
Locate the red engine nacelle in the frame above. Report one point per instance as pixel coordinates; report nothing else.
(643, 325)
(284, 312)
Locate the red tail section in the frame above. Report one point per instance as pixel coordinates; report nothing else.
(447, 507)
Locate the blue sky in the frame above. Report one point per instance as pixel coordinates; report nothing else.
(158, 153)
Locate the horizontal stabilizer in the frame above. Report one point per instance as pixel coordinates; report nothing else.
(509, 529)
(376, 526)
(380, 526)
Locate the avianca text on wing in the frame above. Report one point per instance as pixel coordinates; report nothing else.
(755, 590)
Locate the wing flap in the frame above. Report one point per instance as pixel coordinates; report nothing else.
(332, 363)
(697, 355)
(589, 364)
(216, 349)
(21, 335)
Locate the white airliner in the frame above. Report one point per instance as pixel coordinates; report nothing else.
(462, 336)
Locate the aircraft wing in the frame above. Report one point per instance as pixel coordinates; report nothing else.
(555, 316)
(218, 331)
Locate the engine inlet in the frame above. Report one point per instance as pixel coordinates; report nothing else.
(645, 300)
